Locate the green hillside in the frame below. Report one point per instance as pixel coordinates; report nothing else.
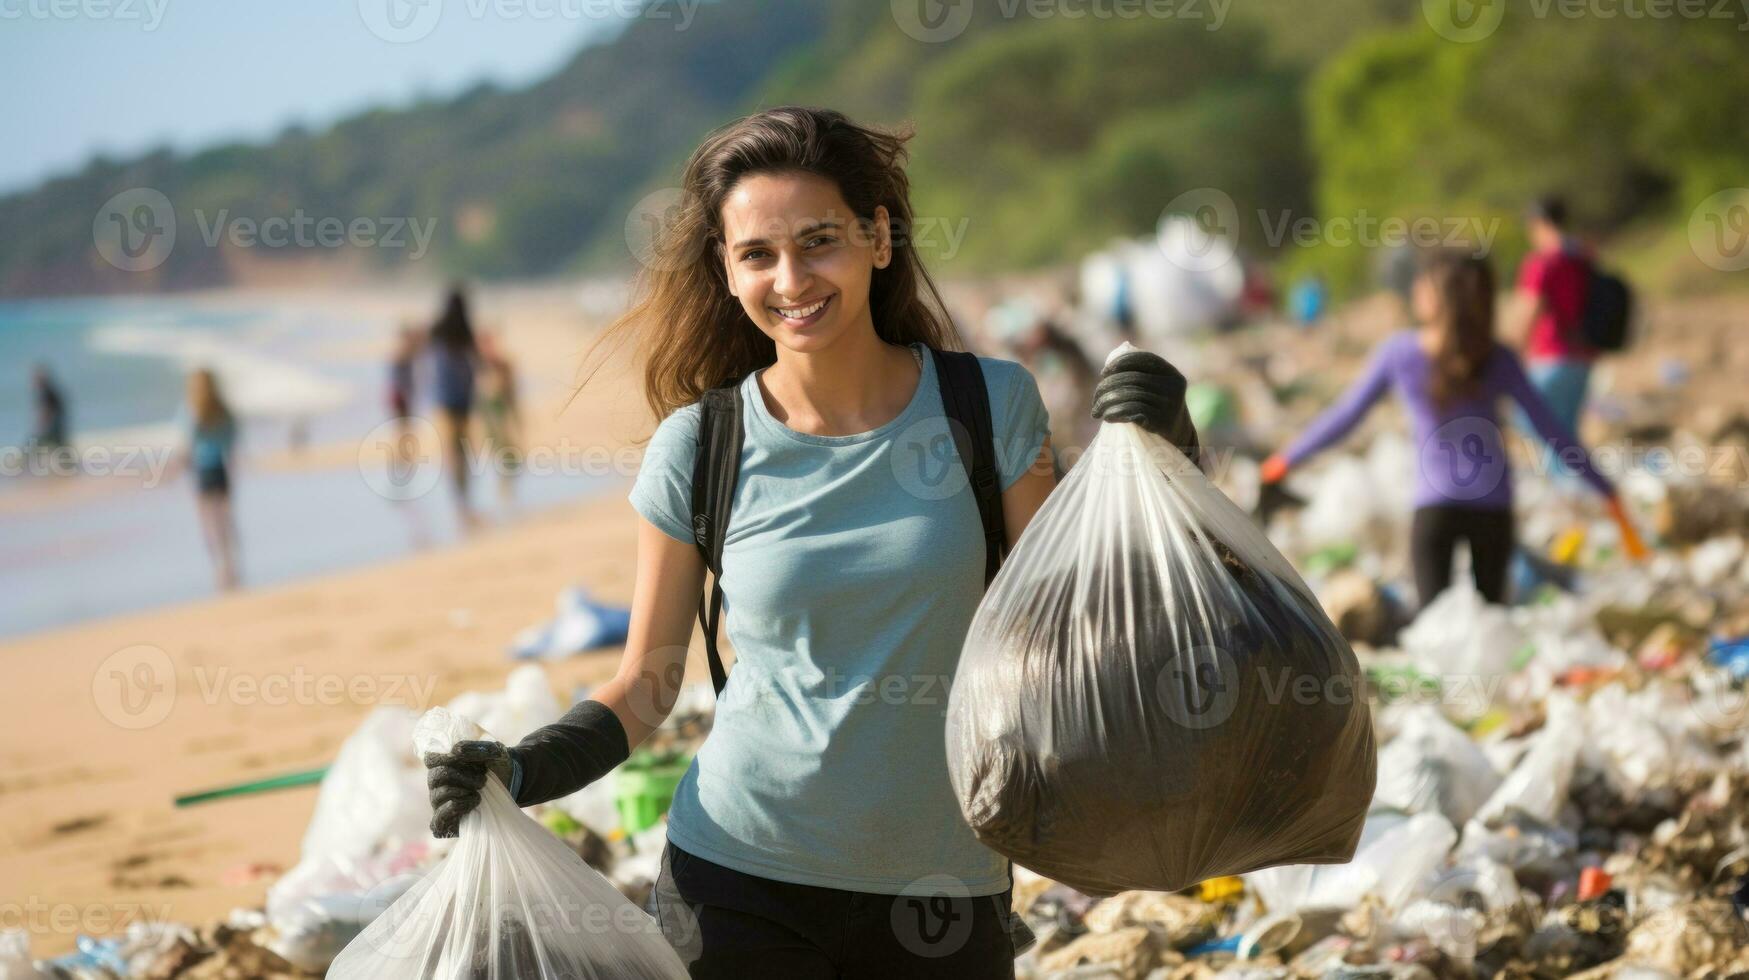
(1038, 137)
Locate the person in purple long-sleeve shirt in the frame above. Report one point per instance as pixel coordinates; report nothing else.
(1450, 373)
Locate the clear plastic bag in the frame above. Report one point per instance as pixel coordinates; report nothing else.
(510, 902)
(1432, 767)
(1396, 862)
(1537, 786)
(1149, 695)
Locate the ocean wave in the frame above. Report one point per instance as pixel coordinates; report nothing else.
(254, 383)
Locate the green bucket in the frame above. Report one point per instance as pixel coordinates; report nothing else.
(643, 791)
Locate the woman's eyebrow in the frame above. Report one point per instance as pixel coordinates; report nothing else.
(801, 232)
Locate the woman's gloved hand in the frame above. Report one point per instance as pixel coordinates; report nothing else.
(1274, 469)
(1630, 537)
(456, 777)
(556, 760)
(1143, 388)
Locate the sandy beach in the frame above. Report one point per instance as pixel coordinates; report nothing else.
(106, 722)
(271, 680)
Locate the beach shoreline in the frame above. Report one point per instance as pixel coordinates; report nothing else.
(130, 494)
(270, 680)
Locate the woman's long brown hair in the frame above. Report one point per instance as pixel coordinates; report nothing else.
(1464, 283)
(206, 403)
(692, 332)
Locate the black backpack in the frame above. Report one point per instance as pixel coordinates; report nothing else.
(718, 465)
(1607, 319)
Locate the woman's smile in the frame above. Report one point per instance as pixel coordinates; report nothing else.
(803, 315)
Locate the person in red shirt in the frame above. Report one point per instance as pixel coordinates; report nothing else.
(1551, 285)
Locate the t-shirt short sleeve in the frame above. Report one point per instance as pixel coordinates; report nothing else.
(662, 491)
(1018, 416)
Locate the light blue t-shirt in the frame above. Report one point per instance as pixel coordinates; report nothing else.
(851, 571)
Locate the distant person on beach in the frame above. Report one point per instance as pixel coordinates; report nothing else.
(1551, 296)
(212, 436)
(500, 414)
(455, 359)
(48, 435)
(401, 391)
(1449, 372)
(812, 805)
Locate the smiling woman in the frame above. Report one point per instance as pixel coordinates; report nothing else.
(816, 832)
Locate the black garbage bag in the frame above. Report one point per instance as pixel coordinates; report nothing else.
(1149, 696)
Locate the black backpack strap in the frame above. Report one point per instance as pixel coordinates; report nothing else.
(967, 403)
(714, 473)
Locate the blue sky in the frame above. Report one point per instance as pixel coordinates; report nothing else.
(123, 76)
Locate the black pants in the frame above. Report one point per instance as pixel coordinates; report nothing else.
(725, 923)
(1434, 538)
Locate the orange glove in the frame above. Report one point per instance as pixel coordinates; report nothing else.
(1274, 468)
(1630, 538)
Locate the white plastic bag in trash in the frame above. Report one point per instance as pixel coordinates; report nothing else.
(370, 825)
(1397, 862)
(525, 704)
(1431, 766)
(510, 902)
(1537, 786)
(1149, 695)
(15, 961)
(1467, 643)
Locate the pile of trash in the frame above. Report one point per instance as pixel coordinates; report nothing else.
(1563, 784)
(1562, 790)
(368, 843)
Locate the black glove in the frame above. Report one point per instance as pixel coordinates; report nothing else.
(553, 761)
(456, 777)
(1143, 388)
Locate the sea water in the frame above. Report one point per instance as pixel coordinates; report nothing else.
(76, 548)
